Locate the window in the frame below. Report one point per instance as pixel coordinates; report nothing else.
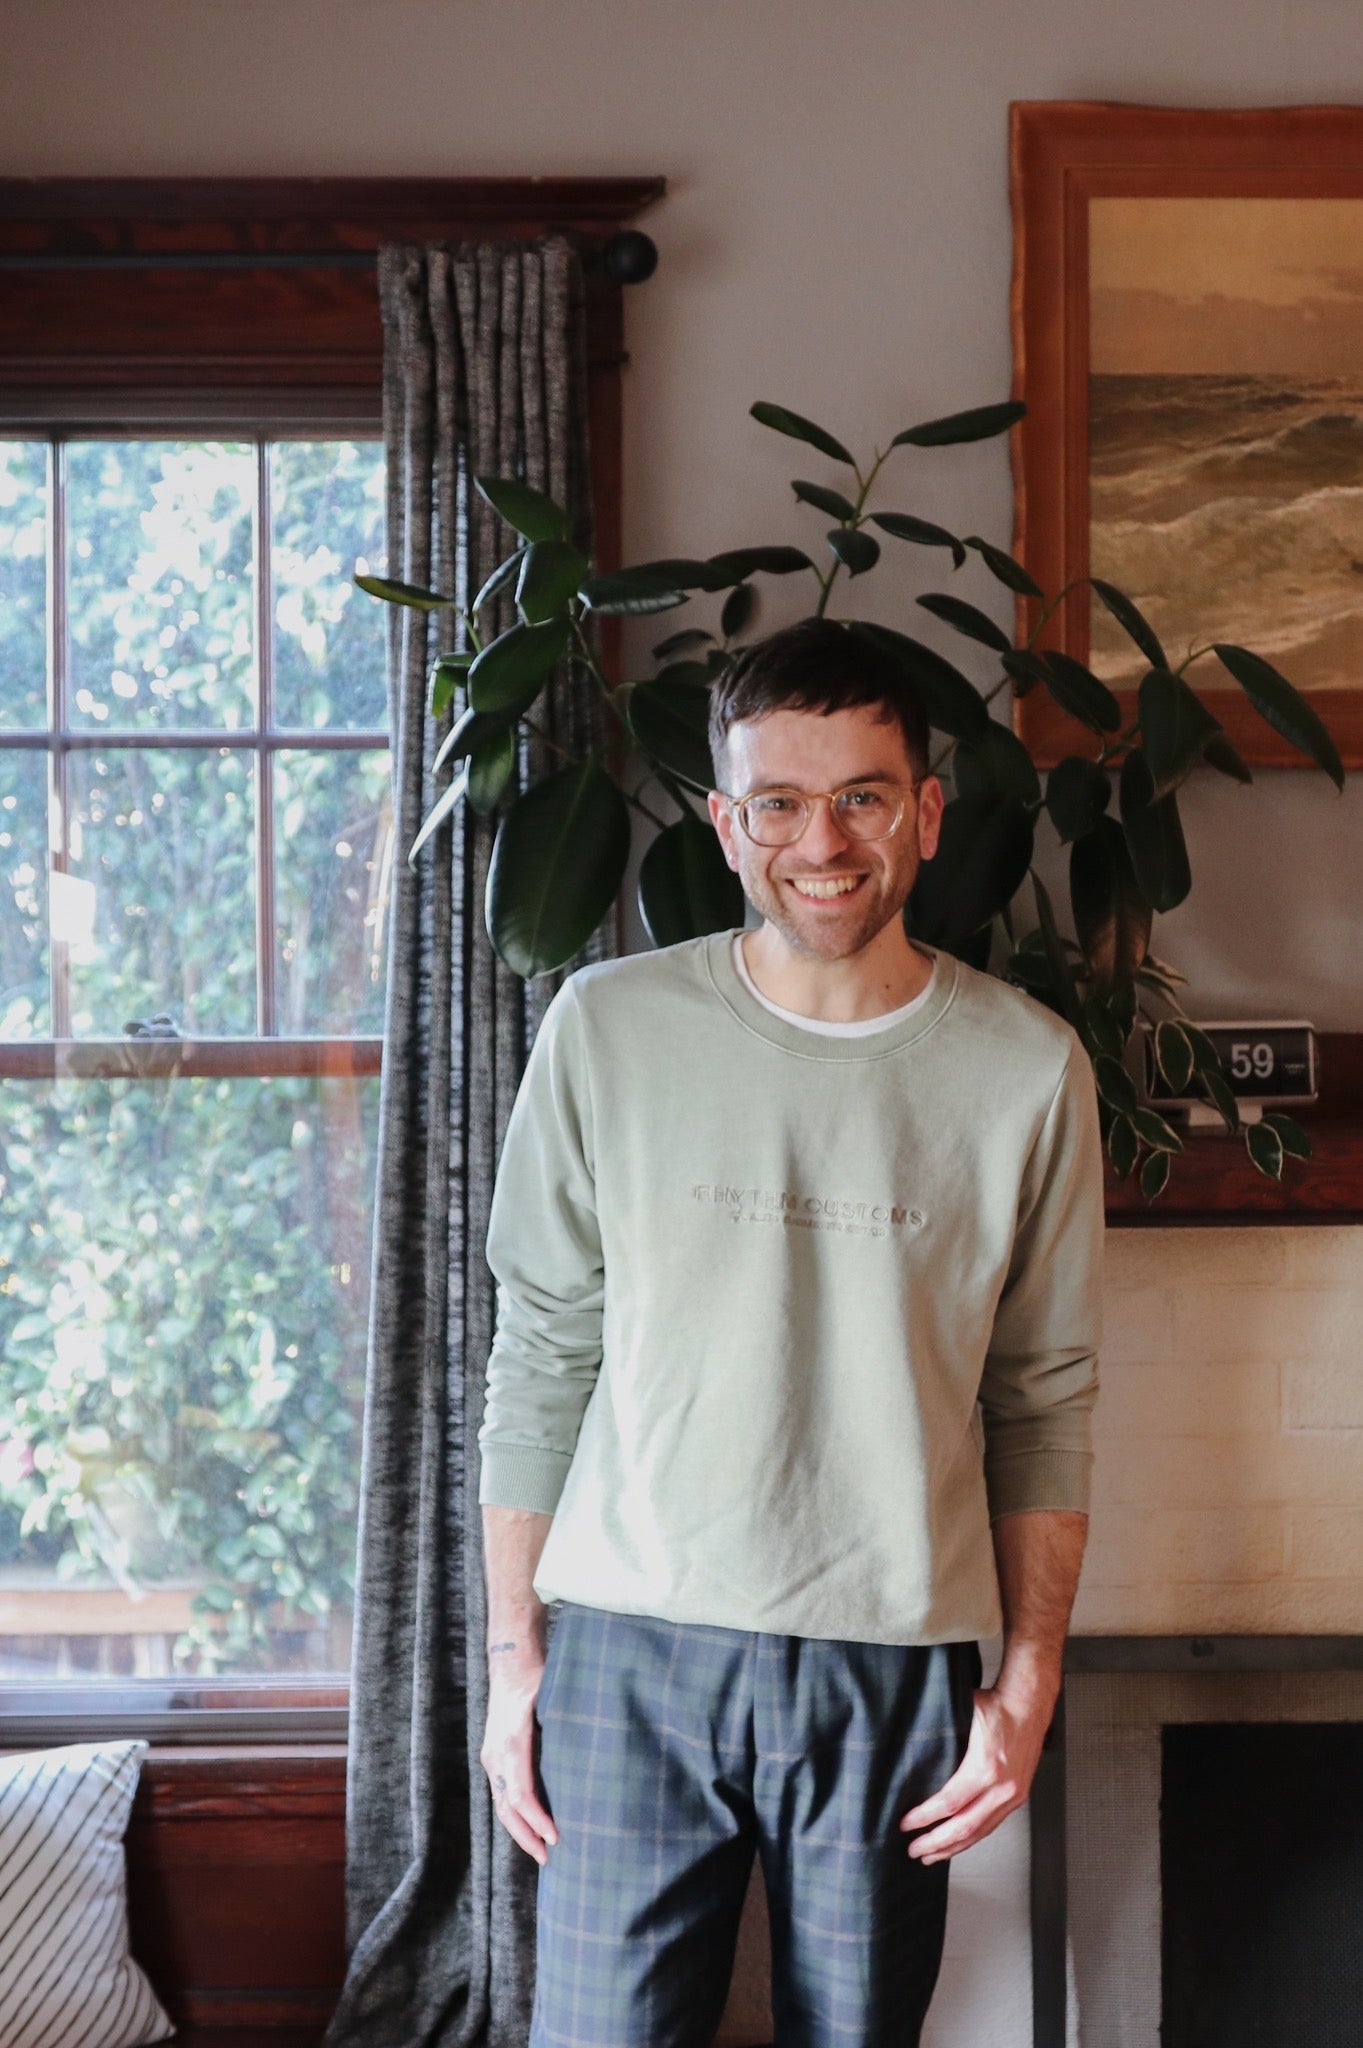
(195, 836)
(190, 393)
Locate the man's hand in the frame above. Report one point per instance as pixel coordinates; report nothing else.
(993, 1779)
(1038, 1554)
(512, 1541)
(508, 1752)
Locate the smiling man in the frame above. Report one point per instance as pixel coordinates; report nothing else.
(797, 1232)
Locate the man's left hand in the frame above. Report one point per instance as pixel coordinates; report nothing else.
(993, 1779)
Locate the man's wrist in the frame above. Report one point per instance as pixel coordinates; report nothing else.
(1030, 1677)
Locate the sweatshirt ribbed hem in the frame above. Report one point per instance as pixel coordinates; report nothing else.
(1031, 1480)
(522, 1476)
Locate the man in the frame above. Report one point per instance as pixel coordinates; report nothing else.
(797, 1234)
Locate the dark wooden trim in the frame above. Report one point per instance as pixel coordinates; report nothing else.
(1048, 1889)
(1063, 154)
(305, 214)
(236, 1884)
(188, 1058)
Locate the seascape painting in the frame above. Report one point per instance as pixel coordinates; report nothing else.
(1226, 429)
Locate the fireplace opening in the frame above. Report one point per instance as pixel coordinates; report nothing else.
(1261, 1885)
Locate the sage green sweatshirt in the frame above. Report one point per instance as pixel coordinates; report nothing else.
(784, 1319)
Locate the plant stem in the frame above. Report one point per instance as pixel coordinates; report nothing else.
(547, 740)
(854, 525)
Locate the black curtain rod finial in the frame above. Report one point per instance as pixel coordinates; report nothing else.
(630, 257)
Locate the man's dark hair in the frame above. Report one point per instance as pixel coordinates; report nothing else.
(819, 665)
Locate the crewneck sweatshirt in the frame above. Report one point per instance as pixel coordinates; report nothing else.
(783, 1318)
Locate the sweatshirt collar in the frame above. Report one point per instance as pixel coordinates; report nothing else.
(753, 1016)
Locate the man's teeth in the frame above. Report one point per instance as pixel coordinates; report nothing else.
(835, 886)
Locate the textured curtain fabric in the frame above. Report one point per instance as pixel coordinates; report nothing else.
(484, 373)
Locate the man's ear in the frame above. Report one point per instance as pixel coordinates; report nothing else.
(931, 803)
(722, 818)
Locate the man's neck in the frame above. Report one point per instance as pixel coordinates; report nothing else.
(881, 977)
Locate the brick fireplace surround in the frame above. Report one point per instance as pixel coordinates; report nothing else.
(1228, 1501)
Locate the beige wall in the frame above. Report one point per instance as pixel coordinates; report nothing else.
(836, 237)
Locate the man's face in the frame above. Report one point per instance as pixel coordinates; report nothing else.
(811, 751)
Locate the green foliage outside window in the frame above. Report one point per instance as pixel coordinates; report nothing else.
(184, 1263)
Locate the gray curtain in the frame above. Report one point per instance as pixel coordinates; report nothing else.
(484, 373)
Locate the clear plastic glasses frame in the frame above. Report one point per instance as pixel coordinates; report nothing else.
(861, 810)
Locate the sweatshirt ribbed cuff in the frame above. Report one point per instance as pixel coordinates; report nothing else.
(522, 1476)
(1030, 1480)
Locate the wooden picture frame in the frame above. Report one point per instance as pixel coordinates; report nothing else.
(1170, 442)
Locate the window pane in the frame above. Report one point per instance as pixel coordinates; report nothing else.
(330, 640)
(183, 1303)
(160, 588)
(24, 998)
(163, 921)
(333, 850)
(23, 583)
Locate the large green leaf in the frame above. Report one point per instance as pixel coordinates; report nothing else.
(489, 771)
(967, 619)
(982, 857)
(682, 643)
(737, 610)
(1115, 1085)
(551, 571)
(1077, 794)
(1221, 755)
(824, 500)
(739, 563)
(1293, 1138)
(410, 594)
(622, 593)
(1001, 564)
(683, 572)
(449, 674)
(1111, 917)
(1175, 728)
(1174, 1054)
(857, 551)
(1122, 1146)
(1079, 691)
(1130, 620)
(1155, 1176)
(686, 887)
(1062, 974)
(922, 532)
(471, 731)
(504, 573)
(1025, 670)
(509, 673)
(996, 764)
(799, 429)
(980, 424)
(558, 860)
(671, 721)
(451, 795)
(1154, 834)
(526, 511)
(952, 704)
(1265, 1147)
(1284, 708)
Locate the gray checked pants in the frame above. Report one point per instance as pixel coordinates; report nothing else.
(672, 1754)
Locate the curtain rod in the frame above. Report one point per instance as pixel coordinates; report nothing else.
(628, 256)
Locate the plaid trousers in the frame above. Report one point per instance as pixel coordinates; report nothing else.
(670, 1755)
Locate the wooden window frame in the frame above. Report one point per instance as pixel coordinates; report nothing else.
(143, 305)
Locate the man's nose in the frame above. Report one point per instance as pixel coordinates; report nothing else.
(823, 837)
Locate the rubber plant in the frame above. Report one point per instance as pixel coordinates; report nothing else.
(562, 844)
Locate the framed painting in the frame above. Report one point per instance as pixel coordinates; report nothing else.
(1188, 336)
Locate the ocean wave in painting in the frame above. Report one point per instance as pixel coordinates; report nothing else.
(1231, 508)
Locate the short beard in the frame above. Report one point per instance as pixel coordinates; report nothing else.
(770, 903)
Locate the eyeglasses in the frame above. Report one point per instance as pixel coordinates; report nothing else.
(862, 810)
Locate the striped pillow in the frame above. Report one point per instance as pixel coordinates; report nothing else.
(66, 1977)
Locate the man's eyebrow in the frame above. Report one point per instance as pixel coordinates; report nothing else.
(849, 782)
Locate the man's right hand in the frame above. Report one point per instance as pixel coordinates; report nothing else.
(508, 1753)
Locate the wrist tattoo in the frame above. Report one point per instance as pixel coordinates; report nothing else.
(496, 1649)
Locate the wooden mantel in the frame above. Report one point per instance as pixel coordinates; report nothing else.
(1213, 1181)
